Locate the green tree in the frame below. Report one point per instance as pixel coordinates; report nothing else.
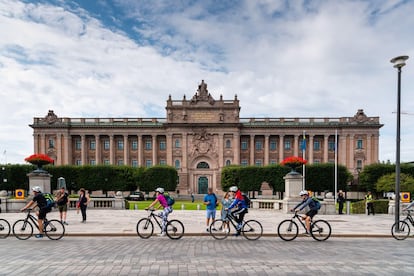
(386, 183)
(159, 176)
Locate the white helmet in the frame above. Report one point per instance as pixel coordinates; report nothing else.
(304, 192)
(160, 190)
(36, 189)
(233, 189)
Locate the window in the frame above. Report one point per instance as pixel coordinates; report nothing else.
(259, 162)
(120, 162)
(228, 144)
(148, 163)
(51, 143)
(92, 162)
(273, 162)
(258, 145)
(273, 145)
(203, 165)
(287, 145)
(244, 163)
(120, 144)
(316, 161)
(106, 162)
(106, 144)
(78, 162)
(177, 164)
(228, 162)
(331, 145)
(134, 163)
(244, 145)
(177, 143)
(163, 145)
(92, 144)
(78, 144)
(148, 144)
(163, 162)
(316, 145)
(134, 144)
(359, 164)
(359, 144)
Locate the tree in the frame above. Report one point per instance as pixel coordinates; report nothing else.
(386, 183)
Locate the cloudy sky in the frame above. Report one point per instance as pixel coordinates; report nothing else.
(282, 58)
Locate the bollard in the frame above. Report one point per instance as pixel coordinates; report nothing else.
(136, 206)
(198, 207)
(182, 206)
(348, 207)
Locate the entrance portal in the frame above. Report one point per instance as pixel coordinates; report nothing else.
(202, 185)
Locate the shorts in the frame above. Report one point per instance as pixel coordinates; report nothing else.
(43, 212)
(311, 213)
(211, 213)
(63, 208)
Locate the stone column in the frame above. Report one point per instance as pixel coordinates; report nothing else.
(266, 150)
(293, 185)
(252, 162)
(41, 179)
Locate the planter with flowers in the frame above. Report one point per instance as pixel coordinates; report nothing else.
(293, 162)
(39, 160)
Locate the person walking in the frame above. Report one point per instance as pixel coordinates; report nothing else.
(340, 200)
(370, 204)
(62, 203)
(211, 202)
(83, 203)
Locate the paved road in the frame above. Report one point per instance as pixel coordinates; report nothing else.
(206, 256)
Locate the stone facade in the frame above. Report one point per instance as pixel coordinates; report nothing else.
(202, 135)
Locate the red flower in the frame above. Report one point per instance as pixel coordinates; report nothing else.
(293, 161)
(39, 159)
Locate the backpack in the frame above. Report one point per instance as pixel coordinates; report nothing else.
(50, 200)
(247, 200)
(317, 203)
(170, 199)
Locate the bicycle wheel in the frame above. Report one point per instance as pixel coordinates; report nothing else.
(321, 230)
(288, 230)
(4, 229)
(174, 229)
(145, 228)
(54, 229)
(219, 229)
(400, 230)
(22, 229)
(252, 230)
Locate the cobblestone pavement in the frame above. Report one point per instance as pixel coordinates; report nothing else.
(194, 255)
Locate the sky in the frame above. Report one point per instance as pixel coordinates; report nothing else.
(122, 58)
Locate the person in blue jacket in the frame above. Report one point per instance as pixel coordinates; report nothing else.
(241, 205)
(313, 209)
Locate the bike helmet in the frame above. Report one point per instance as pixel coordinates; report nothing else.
(160, 190)
(36, 189)
(233, 189)
(304, 192)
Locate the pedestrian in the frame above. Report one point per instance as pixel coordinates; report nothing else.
(225, 203)
(83, 203)
(160, 198)
(192, 197)
(62, 203)
(211, 202)
(370, 204)
(340, 200)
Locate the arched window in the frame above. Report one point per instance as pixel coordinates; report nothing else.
(228, 144)
(228, 163)
(203, 165)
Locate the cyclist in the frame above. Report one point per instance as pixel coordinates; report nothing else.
(240, 203)
(160, 198)
(409, 206)
(313, 209)
(41, 202)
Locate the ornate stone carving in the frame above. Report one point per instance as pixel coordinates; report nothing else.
(360, 116)
(203, 143)
(50, 118)
(202, 95)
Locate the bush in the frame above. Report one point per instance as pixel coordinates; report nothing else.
(380, 206)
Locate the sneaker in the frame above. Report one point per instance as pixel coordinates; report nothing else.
(239, 226)
(236, 234)
(162, 234)
(214, 229)
(65, 223)
(39, 236)
(307, 234)
(227, 230)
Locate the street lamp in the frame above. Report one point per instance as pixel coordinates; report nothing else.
(398, 62)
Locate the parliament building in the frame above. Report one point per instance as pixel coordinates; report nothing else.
(201, 135)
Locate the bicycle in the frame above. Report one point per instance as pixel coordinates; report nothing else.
(23, 228)
(4, 228)
(251, 229)
(145, 226)
(401, 229)
(288, 229)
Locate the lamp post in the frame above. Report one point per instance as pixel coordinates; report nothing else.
(398, 62)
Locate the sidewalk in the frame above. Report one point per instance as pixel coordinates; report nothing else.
(109, 222)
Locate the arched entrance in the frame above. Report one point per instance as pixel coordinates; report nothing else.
(202, 185)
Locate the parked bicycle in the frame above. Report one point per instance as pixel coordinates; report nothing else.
(145, 226)
(23, 228)
(401, 229)
(288, 229)
(4, 228)
(251, 229)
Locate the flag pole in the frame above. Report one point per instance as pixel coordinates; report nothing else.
(336, 164)
(303, 156)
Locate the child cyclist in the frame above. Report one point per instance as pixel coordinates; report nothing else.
(160, 198)
(241, 205)
(313, 209)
